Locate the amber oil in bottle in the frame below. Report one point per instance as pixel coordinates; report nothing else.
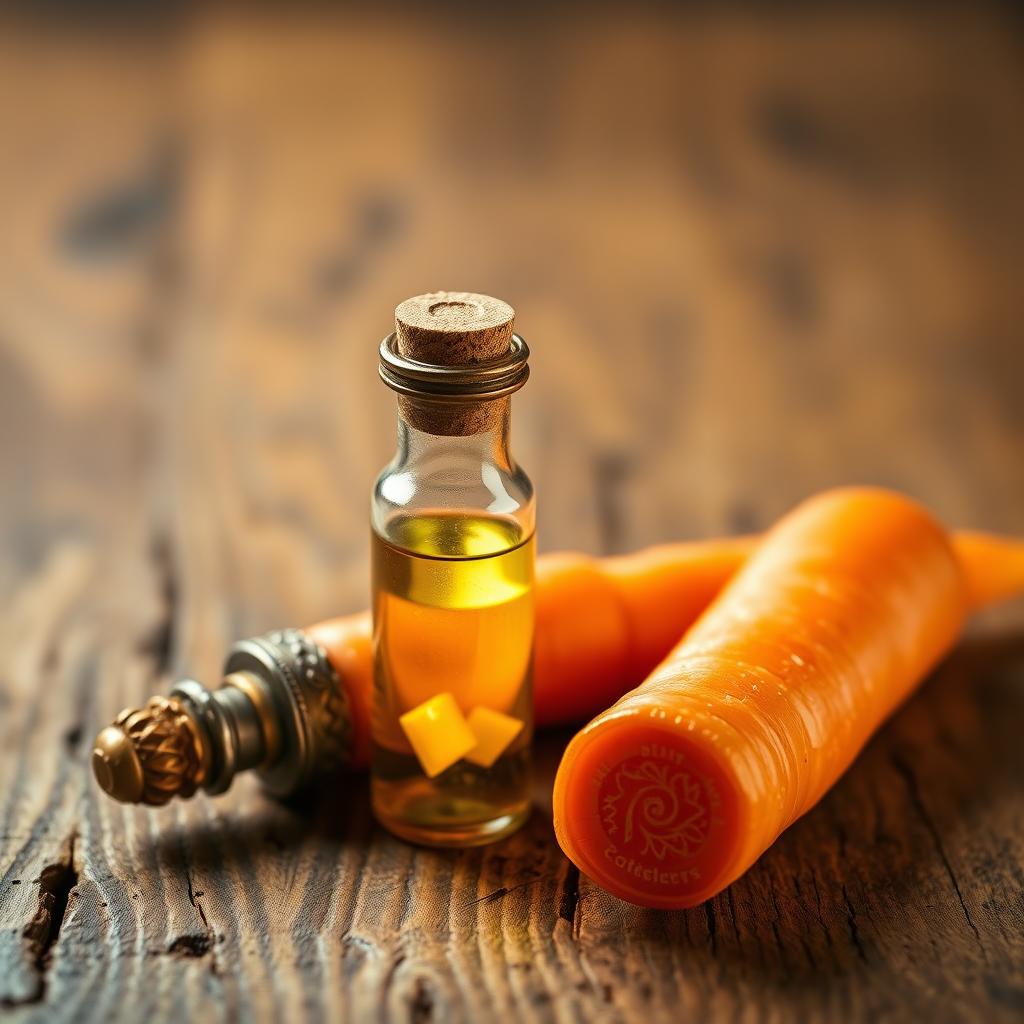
(453, 607)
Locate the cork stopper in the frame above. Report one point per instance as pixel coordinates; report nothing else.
(453, 329)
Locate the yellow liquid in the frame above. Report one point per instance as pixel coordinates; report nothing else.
(453, 613)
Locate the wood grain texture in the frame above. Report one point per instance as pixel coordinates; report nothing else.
(753, 258)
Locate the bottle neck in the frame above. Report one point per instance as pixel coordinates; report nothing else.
(464, 473)
(489, 445)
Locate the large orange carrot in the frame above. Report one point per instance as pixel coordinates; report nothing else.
(675, 791)
(604, 623)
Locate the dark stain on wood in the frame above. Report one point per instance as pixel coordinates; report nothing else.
(115, 221)
(195, 945)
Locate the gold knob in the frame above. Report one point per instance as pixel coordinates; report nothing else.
(149, 755)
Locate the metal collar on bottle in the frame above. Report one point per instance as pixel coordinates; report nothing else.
(467, 382)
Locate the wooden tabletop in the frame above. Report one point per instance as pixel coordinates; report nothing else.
(753, 257)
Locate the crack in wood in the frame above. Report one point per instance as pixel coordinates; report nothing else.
(817, 906)
(193, 944)
(709, 916)
(851, 922)
(504, 890)
(777, 917)
(491, 897)
(732, 913)
(802, 934)
(569, 901)
(56, 882)
(917, 802)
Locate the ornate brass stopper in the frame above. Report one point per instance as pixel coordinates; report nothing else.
(149, 755)
(280, 710)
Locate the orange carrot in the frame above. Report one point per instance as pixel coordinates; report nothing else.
(604, 623)
(675, 791)
(993, 566)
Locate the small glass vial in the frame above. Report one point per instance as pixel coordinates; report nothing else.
(453, 573)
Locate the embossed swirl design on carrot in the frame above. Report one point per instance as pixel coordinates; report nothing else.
(663, 807)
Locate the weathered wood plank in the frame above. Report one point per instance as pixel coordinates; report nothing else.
(754, 258)
(77, 289)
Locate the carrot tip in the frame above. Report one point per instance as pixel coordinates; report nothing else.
(653, 816)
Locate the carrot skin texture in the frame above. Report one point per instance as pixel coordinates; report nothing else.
(675, 791)
(604, 623)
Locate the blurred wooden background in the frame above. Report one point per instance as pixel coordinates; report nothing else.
(754, 256)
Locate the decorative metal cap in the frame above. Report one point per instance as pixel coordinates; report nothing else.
(310, 706)
(280, 709)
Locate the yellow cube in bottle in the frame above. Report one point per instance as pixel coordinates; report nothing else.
(494, 732)
(438, 733)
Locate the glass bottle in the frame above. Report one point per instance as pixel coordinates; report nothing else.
(453, 571)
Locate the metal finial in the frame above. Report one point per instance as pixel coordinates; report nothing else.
(281, 709)
(149, 755)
